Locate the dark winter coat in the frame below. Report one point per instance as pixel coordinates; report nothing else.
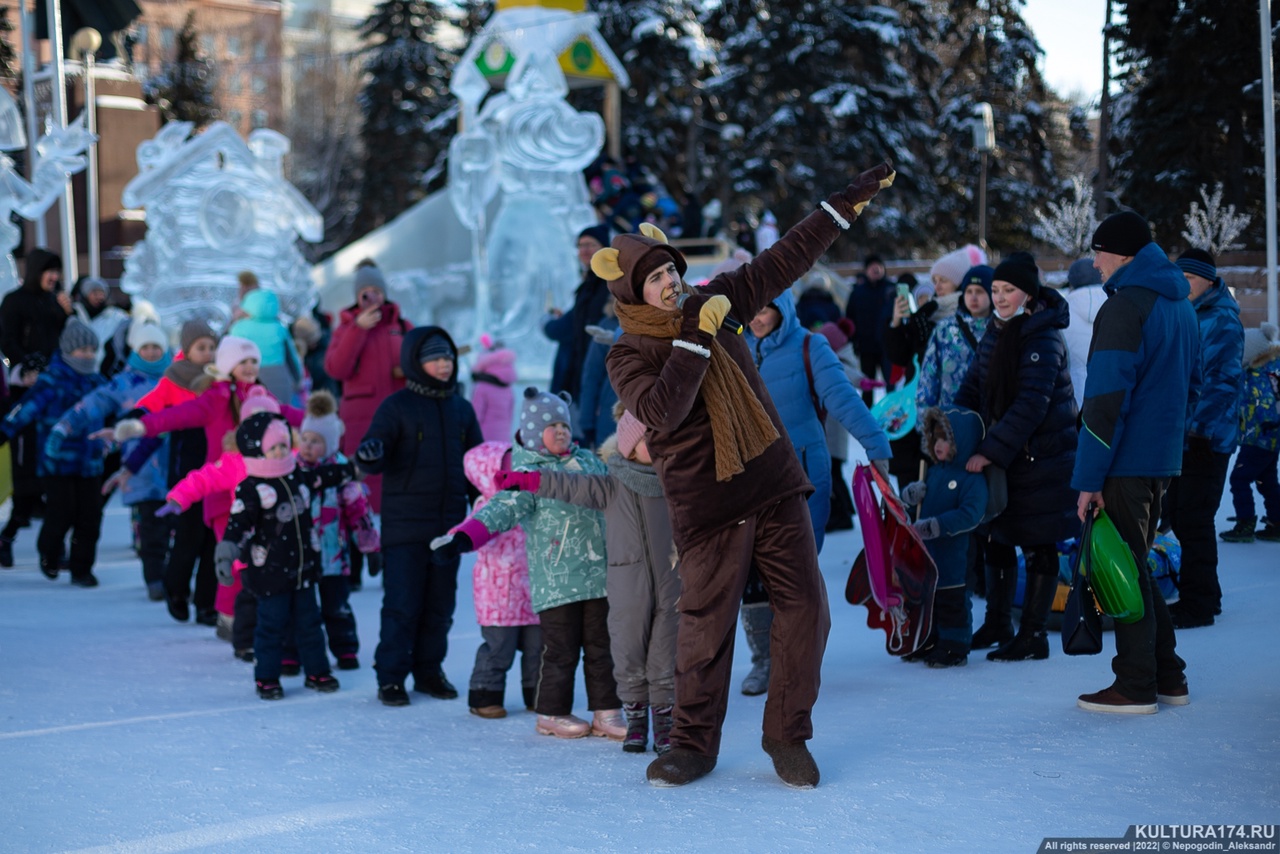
(570, 331)
(906, 344)
(870, 306)
(424, 429)
(1213, 413)
(661, 385)
(1143, 366)
(30, 318)
(56, 390)
(1034, 440)
(271, 523)
(955, 497)
(595, 405)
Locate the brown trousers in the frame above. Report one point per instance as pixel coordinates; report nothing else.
(713, 573)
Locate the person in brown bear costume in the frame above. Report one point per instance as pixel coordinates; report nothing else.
(734, 486)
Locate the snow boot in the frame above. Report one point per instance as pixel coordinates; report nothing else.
(922, 652)
(793, 762)
(562, 726)
(270, 690)
(436, 686)
(6, 552)
(393, 694)
(290, 667)
(49, 568)
(610, 724)
(245, 655)
(348, 661)
(1270, 534)
(997, 626)
(1031, 643)
(206, 617)
(1243, 531)
(324, 683)
(486, 704)
(662, 730)
(678, 767)
(155, 591)
(757, 620)
(637, 740)
(948, 654)
(179, 609)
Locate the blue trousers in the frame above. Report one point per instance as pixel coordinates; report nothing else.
(276, 613)
(418, 599)
(1255, 466)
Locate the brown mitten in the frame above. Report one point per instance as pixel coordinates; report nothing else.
(850, 201)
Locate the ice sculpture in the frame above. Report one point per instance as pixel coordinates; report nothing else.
(216, 206)
(59, 154)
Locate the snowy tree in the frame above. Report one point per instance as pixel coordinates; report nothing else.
(1069, 225)
(1214, 227)
(1190, 114)
(406, 107)
(990, 55)
(184, 88)
(821, 91)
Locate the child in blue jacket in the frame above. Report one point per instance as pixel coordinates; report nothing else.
(952, 502)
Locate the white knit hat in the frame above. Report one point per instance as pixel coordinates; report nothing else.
(141, 334)
(955, 264)
(232, 350)
(1258, 341)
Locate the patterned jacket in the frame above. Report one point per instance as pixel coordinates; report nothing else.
(336, 513)
(1212, 412)
(57, 389)
(1259, 415)
(500, 579)
(946, 359)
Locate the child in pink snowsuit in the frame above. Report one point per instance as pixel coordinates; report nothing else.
(501, 591)
(491, 394)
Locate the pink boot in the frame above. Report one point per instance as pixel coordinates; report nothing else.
(562, 726)
(610, 724)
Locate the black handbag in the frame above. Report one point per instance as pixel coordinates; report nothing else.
(1081, 622)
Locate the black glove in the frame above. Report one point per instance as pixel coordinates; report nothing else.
(373, 562)
(370, 451)
(447, 549)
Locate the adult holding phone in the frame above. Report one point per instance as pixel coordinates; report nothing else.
(364, 355)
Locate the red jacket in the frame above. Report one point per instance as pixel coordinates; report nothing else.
(366, 362)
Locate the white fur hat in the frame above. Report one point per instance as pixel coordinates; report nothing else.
(1259, 341)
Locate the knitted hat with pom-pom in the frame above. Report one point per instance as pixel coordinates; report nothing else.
(1260, 341)
(538, 411)
(322, 419)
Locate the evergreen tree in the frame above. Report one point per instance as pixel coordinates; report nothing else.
(989, 54)
(407, 109)
(1190, 113)
(821, 91)
(670, 121)
(183, 90)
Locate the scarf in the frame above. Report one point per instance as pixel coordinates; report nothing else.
(154, 370)
(183, 373)
(637, 477)
(740, 427)
(427, 391)
(81, 364)
(946, 306)
(265, 468)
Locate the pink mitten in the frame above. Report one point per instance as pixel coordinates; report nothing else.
(868, 384)
(523, 480)
(367, 540)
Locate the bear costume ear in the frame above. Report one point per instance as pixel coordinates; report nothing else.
(648, 229)
(605, 264)
(565, 396)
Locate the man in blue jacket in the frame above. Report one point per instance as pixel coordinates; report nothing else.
(1213, 431)
(1143, 364)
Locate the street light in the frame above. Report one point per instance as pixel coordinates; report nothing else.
(85, 44)
(984, 142)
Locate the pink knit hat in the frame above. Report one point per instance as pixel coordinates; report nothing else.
(256, 400)
(630, 432)
(232, 350)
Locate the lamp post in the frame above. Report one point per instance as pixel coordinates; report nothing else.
(984, 142)
(85, 43)
(66, 210)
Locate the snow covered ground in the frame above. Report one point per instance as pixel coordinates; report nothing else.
(121, 730)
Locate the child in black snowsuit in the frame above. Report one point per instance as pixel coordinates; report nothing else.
(270, 530)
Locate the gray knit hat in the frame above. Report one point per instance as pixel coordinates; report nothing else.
(193, 331)
(1082, 274)
(538, 411)
(76, 334)
(322, 419)
(370, 277)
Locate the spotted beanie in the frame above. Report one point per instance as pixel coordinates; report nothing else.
(538, 411)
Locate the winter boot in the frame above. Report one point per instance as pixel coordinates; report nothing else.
(662, 729)
(290, 667)
(348, 661)
(225, 626)
(948, 654)
(206, 617)
(922, 652)
(270, 690)
(757, 620)
(392, 694)
(610, 724)
(678, 767)
(793, 762)
(997, 626)
(436, 685)
(155, 591)
(637, 715)
(530, 697)
(1031, 643)
(1270, 534)
(486, 704)
(562, 726)
(179, 609)
(1243, 531)
(6, 552)
(324, 683)
(49, 567)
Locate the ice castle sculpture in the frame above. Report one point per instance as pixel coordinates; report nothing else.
(216, 206)
(59, 154)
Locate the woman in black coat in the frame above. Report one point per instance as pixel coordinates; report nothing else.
(1020, 383)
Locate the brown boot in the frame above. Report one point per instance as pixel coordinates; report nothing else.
(679, 766)
(793, 762)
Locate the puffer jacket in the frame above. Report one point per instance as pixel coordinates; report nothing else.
(337, 513)
(424, 429)
(779, 356)
(281, 368)
(30, 318)
(1259, 415)
(660, 385)
(1084, 303)
(564, 544)
(500, 579)
(1212, 414)
(1034, 440)
(947, 359)
(119, 396)
(955, 497)
(1144, 365)
(56, 390)
(492, 396)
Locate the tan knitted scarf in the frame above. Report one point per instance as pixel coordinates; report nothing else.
(740, 427)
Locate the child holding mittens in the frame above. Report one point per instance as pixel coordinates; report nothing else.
(565, 548)
(500, 585)
(643, 583)
(270, 530)
(952, 502)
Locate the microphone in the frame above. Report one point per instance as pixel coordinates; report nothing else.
(729, 324)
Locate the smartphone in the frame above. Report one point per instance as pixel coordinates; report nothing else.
(904, 291)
